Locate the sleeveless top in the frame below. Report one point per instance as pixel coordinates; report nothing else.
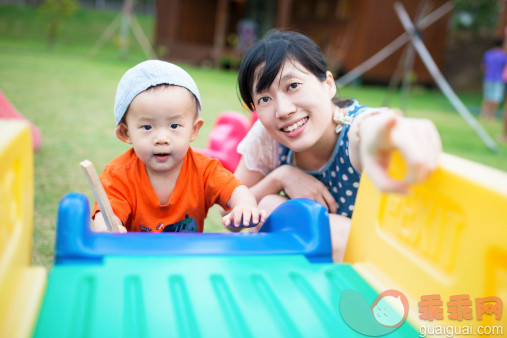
(262, 153)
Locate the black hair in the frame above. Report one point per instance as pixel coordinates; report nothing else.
(498, 42)
(273, 51)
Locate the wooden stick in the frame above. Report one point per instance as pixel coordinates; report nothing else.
(100, 194)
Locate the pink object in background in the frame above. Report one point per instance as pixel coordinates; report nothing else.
(229, 129)
(8, 111)
(253, 118)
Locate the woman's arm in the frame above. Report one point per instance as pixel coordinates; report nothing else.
(374, 137)
(295, 182)
(260, 185)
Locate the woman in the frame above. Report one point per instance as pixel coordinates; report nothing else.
(308, 144)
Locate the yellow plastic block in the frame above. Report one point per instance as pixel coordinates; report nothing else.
(21, 285)
(448, 237)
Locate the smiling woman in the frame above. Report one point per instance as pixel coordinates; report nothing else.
(309, 144)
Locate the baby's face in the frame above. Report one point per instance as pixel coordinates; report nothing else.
(161, 123)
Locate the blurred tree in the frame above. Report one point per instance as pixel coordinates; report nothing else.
(474, 15)
(55, 11)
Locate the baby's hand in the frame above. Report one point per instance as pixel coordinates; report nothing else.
(121, 228)
(244, 216)
(99, 224)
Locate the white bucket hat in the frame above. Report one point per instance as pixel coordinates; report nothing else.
(148, 74)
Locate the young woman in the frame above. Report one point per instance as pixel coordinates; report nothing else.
(309, 144)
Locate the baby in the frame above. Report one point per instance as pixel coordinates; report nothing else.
(160, 184)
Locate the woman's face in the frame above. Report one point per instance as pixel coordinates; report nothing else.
(296, 109)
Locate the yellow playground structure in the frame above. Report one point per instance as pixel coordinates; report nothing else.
(21, 284)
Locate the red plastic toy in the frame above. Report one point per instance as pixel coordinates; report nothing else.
(229, 129)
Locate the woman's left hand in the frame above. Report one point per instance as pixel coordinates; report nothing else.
(417, 140)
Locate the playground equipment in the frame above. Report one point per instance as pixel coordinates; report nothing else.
(446, 238)
(412, 34)
(8, 111)
(124, 20)
(21, 284)
(229, 129)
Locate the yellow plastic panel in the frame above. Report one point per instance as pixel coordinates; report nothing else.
(448, 236)
(21, 285)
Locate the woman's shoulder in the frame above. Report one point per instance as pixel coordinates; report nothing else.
(350, 110)
(355, 107)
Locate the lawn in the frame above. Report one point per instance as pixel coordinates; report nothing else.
(70, 98)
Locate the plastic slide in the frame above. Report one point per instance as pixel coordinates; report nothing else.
(434, 260)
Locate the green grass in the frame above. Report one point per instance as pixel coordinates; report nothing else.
(70, 98)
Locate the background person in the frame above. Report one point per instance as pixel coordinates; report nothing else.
(493, 63)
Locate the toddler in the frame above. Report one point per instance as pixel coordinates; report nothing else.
(160, 184)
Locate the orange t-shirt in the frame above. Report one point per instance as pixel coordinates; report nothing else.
(202, 182)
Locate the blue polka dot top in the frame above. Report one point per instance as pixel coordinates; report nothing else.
(340, 177)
